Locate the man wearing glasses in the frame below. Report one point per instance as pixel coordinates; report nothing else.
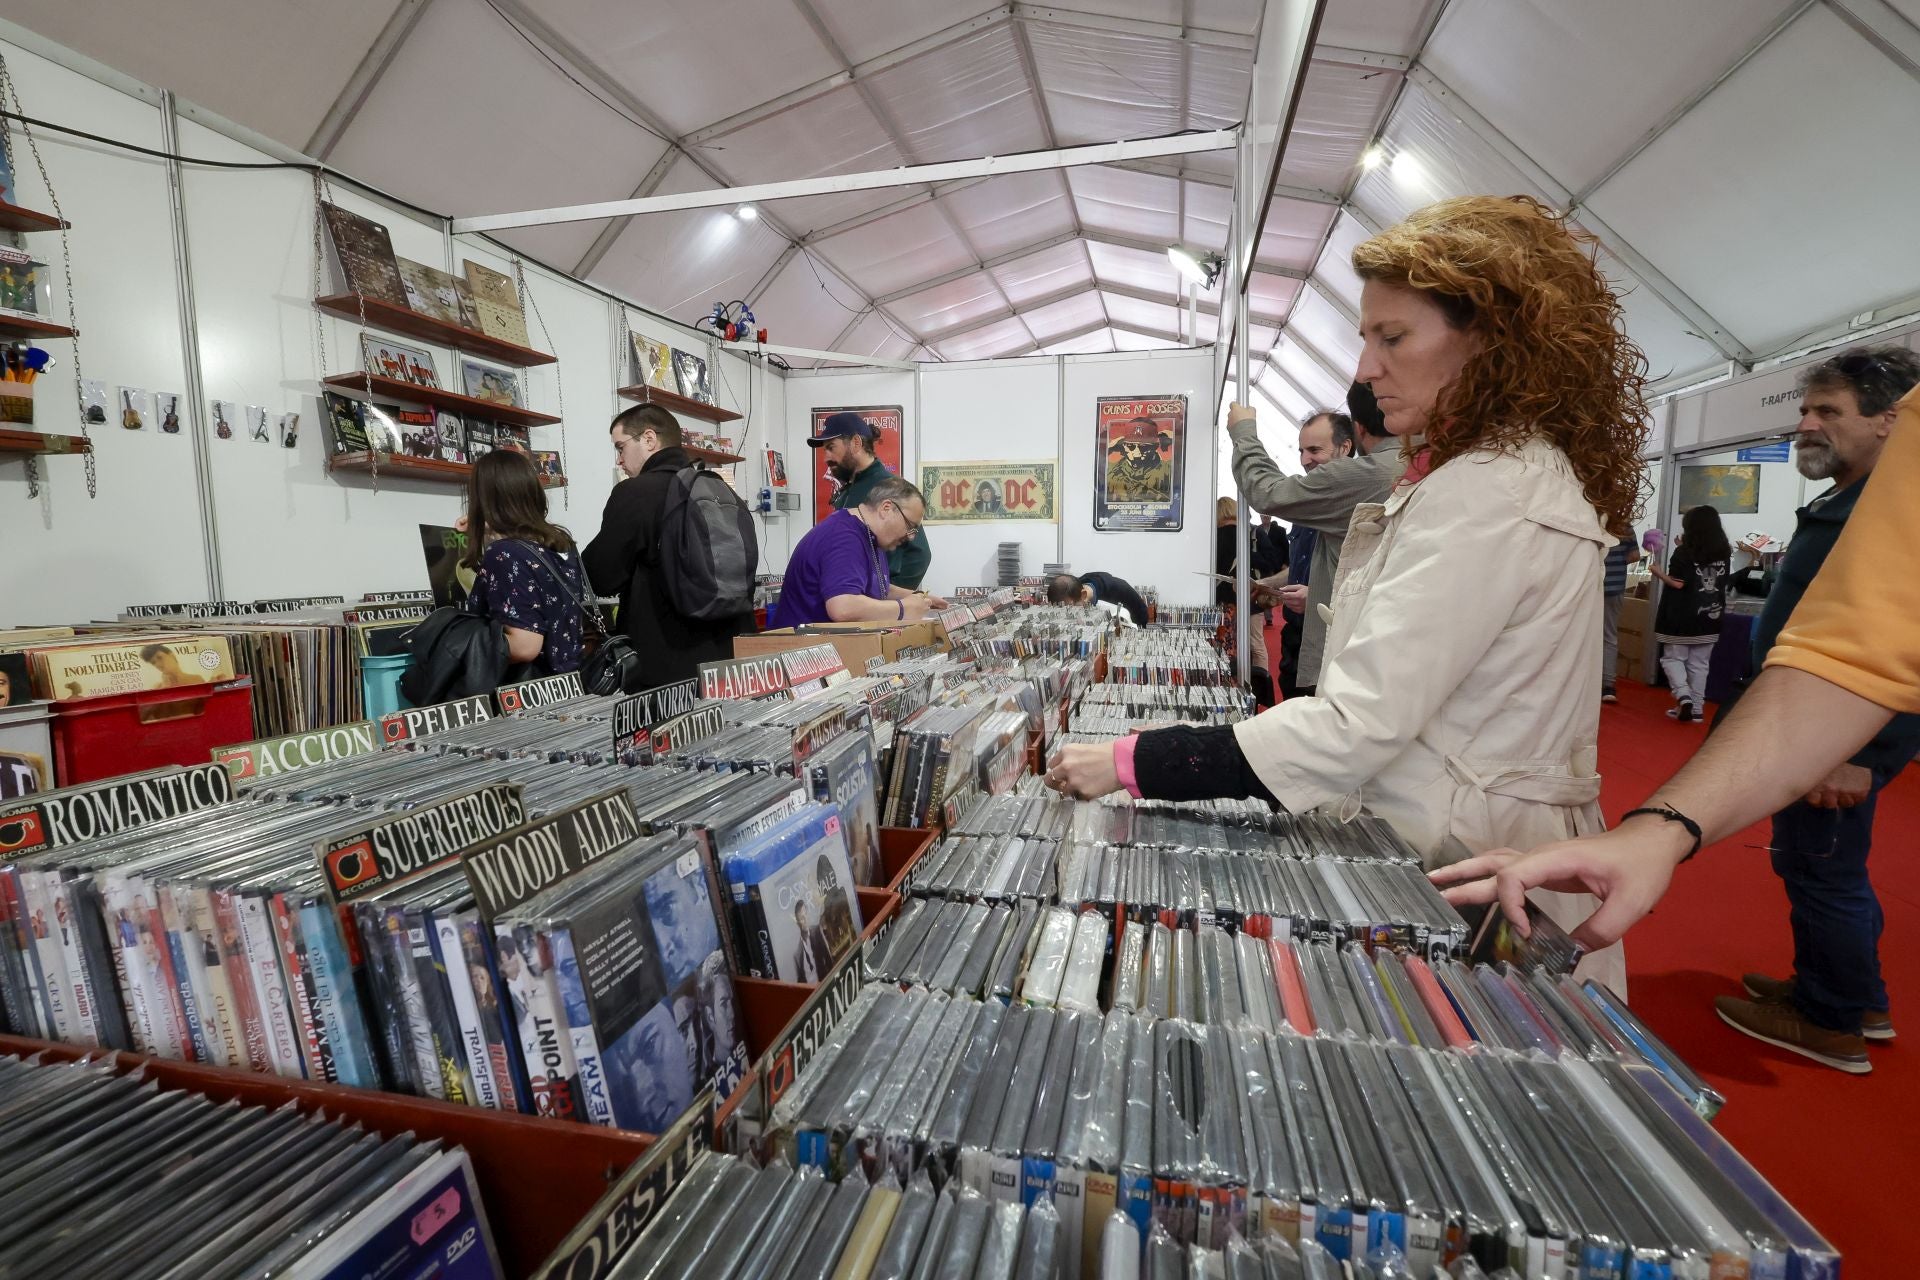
(838, 572)
(622, 556)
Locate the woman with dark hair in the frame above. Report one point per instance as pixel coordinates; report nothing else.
(528, 574)
(1688, 622)
(1460, 697)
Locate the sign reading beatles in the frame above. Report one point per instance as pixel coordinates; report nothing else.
(975, 492)
(1139, 482)
(884, 420)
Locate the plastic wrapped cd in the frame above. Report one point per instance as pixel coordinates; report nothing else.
(1080, 986)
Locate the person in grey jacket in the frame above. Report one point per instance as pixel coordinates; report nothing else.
(1322, 500)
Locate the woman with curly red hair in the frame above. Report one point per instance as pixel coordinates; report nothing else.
(1460, 698)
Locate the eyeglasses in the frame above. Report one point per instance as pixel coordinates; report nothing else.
(913, 527)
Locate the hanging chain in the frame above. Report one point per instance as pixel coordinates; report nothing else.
(10, 95)
(323, 195)
(559, 384)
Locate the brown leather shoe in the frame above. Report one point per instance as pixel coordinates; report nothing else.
(1875, 1024)
(1782, 1025)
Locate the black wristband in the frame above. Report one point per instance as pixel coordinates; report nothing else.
(1671, 814)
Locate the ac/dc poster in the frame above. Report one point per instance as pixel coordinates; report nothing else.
(1139, 481)
(885, 419)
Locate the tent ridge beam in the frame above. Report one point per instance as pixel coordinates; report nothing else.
(891, 127)
(1883, 27)
(872, 180)
(1080, 291)
(603, 242)
(539, 30)
(1054, 241)
(1680, 112)
(1717, 334)
(1365, 59)
(359, 87)
(850, 73)
(1054, 15)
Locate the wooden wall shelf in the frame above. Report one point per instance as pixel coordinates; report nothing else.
(356, 384)
(712, 457)
(14, 217)
(14, 441)
(678, 403)
(385, 315)
(398, 464)
(28, 327)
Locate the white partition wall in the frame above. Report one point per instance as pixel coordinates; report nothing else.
(1036, 409)
(141, 538)
(988, 413)
(1173, 562)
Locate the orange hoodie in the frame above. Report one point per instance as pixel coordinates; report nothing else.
(1858, 626)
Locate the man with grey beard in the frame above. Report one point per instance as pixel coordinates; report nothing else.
(1835, 1001)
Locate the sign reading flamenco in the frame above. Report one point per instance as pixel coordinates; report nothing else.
(975, 492)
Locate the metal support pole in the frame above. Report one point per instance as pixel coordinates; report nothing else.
(1243, 526)
(196, 392)
(1193, 313)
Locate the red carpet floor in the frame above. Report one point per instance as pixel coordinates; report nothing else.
(1839, 1147)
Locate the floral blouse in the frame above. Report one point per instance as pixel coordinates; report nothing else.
(515, 585)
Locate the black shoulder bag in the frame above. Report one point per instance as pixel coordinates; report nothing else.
(612, 664)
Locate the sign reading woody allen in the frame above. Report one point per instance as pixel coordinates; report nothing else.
(977, 492)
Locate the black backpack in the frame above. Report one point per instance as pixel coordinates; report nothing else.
(708, 553)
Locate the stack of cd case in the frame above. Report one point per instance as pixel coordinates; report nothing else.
(111, 1175)
(1387, 1154)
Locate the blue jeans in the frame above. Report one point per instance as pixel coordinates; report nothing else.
(1821, 855)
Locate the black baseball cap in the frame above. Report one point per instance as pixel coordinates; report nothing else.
(840, 426)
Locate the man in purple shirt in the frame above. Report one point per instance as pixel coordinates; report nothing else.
(838, 573)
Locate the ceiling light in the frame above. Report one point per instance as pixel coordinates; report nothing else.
(1373, 157)
(1192, 264)
(746, 213)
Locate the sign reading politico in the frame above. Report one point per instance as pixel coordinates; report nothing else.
(975, 492)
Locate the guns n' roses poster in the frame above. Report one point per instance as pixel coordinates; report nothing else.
(1140, 472)
(885, 419)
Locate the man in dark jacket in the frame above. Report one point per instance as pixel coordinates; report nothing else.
(623, 557)
(1098, 588)
(848, 442)
(1835, 1001)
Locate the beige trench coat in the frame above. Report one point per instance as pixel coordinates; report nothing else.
(1460, 699)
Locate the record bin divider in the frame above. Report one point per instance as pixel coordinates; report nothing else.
(537, 1177)
(901, 849)
(767, 1006)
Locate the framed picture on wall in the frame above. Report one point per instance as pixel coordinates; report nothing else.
(776, 470)
(386, 359)
(1140, 456)
(1731, 489)
(496, 386)
(979, 492)
(884, 419)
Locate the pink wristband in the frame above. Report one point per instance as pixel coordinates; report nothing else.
(1123, 763)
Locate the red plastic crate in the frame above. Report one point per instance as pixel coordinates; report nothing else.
(95, 738)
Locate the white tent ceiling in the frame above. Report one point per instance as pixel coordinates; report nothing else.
(1743, 162)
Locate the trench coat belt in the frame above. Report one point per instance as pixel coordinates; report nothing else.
(1543, 782)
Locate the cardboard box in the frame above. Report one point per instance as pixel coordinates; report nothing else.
(1636, 618)
(858, 642)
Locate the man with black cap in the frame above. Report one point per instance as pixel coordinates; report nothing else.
(848, 444)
